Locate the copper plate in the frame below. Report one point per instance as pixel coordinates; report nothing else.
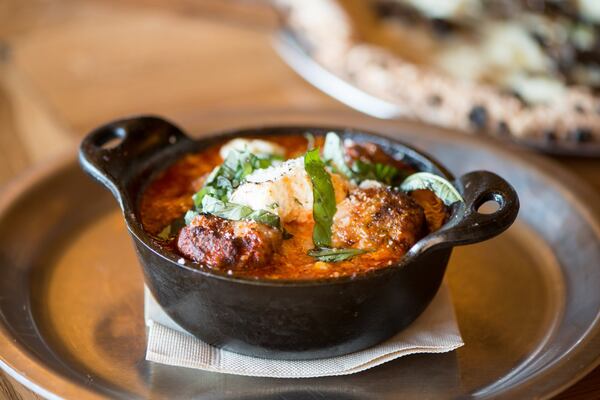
(527, 302)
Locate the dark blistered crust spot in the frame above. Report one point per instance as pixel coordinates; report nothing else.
(442, 27)
(549, 136)
(581, 135)
(478, 117)
(503, 129)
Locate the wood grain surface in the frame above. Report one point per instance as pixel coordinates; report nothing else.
(67, 66)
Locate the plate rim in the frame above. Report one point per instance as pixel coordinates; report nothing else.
(46, 382)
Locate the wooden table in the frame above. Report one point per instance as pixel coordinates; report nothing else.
(69, 66)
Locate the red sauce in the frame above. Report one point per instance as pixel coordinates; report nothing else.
(168, 197)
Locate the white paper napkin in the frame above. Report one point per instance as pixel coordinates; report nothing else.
(434, 331)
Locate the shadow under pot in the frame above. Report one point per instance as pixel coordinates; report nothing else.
(286, 319)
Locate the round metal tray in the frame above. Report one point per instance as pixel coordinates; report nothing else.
(527, 302)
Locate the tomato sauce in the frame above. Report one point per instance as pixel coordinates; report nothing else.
(169, 196)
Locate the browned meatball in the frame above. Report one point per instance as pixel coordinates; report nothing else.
(378, 219)
(225, 244)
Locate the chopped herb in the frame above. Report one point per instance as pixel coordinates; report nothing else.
(335, 255)
(443, 189)
(189, 216)
(384, 173)
(238, 212)
(265, 217)
(165, 233)
(223, 180)
(323, 198)
(334, 154)
(172, 229)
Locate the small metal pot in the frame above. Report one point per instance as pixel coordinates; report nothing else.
(286, 319)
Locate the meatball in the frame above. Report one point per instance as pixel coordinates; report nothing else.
(379, 219)
(226, 244)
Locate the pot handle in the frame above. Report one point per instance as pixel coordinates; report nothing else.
(467, 225)
(112, 152)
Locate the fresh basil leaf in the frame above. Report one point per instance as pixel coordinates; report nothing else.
(172, 229)
(385, 173)
(213, 175)
(324, 207)
(165, 233)
(362, 168)
(265, 217)
(438, 185)
(267, 161)
(238, 212)
(199, 196)
(232, 211)
(224, 179)
(335, 255)
(334, 153)
(189, 216)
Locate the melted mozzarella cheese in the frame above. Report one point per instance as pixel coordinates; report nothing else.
(286, 189)
(503, 53)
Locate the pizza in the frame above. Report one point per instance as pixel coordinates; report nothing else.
(524, 68)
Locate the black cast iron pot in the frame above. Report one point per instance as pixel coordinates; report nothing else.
(286, 319)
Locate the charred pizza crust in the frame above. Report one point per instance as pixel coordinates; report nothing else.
(425, 94)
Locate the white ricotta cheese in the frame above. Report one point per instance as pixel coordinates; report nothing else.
(286, 189)
(254, 146)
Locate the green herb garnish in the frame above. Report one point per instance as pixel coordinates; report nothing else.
(226, 177)
(172, 229)
(335, 155)
(189, 216)
(443, 189)
(384, 173)
(324, 207)
(238, 212)
(165, 233)
(335, 255)
(213, 198)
